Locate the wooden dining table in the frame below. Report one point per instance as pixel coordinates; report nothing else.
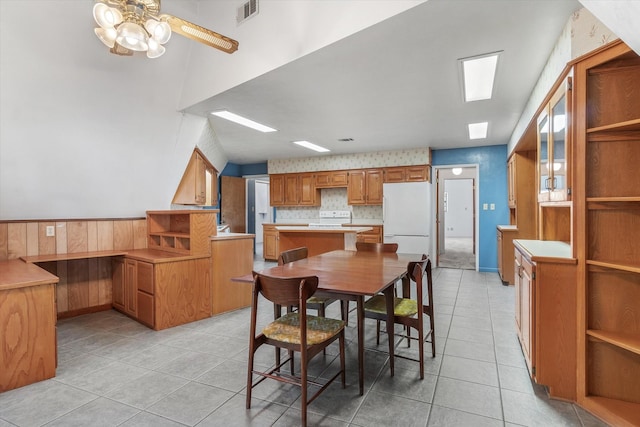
(351, 276)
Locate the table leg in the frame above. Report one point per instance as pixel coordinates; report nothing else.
(360, 315)
(388, 293)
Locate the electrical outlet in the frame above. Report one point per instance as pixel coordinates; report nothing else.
(51, 231)
(492, 206)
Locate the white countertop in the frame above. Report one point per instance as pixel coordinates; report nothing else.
(508, 227)
(545, 249)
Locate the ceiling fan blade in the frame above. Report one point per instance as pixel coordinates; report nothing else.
(200, 34)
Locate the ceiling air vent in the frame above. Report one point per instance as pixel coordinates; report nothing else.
(247, 10)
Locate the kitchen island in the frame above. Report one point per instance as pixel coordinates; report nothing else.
(318, 239)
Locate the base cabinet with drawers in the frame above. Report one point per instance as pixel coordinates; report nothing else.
(545, 288)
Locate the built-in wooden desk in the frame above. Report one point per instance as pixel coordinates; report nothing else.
(71, 256)
(27, 324)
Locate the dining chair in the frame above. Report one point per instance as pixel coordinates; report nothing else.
(296, 332)
(320, 301)
(409, 312)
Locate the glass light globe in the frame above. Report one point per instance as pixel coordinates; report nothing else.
(155, 49)
(106, 35)
(132, 36)
(160, 31)
(107, 17)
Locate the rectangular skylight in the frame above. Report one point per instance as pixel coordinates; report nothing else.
(243, 121)
(478, 75)
(311, 146)
(478, 130)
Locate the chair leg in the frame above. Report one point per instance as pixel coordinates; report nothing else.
(433, 335)
(321, 313)
(303, 384)
(421, 348)
(343, 375)
(344, 308)
(249, 379)
(291, 357)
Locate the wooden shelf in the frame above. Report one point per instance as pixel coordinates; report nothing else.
(629, 125)
(617, 411)
(169, 234)
(630, 342)
(623, 199)
(615, 266)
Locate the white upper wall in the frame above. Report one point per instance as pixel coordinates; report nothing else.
(621, 15)
(87, 134)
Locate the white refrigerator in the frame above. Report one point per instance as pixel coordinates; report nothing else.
(407, 216)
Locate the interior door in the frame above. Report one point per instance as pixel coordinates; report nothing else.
(233, 198)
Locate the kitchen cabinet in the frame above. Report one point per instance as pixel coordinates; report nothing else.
(331, 179)
(199, 183)
(608, 153)
(545, 281)
(293, 189)
(372, 236)
(554, 146)
(270, 245)
(232, 253)
(505, 235)
(407, 173)
(365, 187)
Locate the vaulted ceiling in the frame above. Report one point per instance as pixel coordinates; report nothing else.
(396, 85)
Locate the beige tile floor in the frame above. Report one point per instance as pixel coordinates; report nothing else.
(115, 372)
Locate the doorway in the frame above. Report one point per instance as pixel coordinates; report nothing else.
(259, 210)
(456, 220)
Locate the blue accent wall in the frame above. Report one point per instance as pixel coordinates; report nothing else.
(232, 169)
(492, 188)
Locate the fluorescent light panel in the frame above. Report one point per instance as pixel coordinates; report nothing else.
(311, 146)
(478, 130)
(243, 121)
(479, 74)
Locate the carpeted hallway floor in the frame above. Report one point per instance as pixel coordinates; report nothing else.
(458, 253)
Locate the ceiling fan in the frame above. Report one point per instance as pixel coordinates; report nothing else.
(128, 26)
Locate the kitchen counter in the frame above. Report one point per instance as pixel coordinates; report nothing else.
(318, 240)
(543, 250)
(507, 227)
(232, 256)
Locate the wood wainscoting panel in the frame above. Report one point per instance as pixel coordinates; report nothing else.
(16, 240)
(78, 284)
(61, 237)
(77, 237)
(139, 233)
(122, 234)
(182, 292)
(105, 235)
(4, 240)
(46, 244)
(32, 238)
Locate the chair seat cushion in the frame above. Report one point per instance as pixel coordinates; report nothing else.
(287, 329)
(401, 306)
(318, 300)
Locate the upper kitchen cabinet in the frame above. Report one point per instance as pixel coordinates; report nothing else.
(331, 179)
(365, 187)
(407, 173)
(554, 147)
(199, 184)
(293, 189)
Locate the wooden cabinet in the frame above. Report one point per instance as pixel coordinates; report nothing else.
(133, 288)
(234, 257)
(270, 245)
(331, 179)
(546, 313)
(372, 236)
(181, 231)
(293, 189)
(365, 187)
(505, 236)
(199, 183)
(608, 154)
(407, 173)
(554, 146)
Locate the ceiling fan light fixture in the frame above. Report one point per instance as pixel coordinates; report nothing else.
(132, 36)
(105, 16)
(155, 49)
(106, 35)
(160, 31)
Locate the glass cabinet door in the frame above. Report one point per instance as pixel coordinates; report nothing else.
(543, 158)
(558, 169)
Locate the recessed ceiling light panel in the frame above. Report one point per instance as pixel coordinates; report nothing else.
(243, 121)
(311, 146)
(478, 76)
(478, 130)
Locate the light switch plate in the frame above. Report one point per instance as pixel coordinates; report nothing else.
(51, 231)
